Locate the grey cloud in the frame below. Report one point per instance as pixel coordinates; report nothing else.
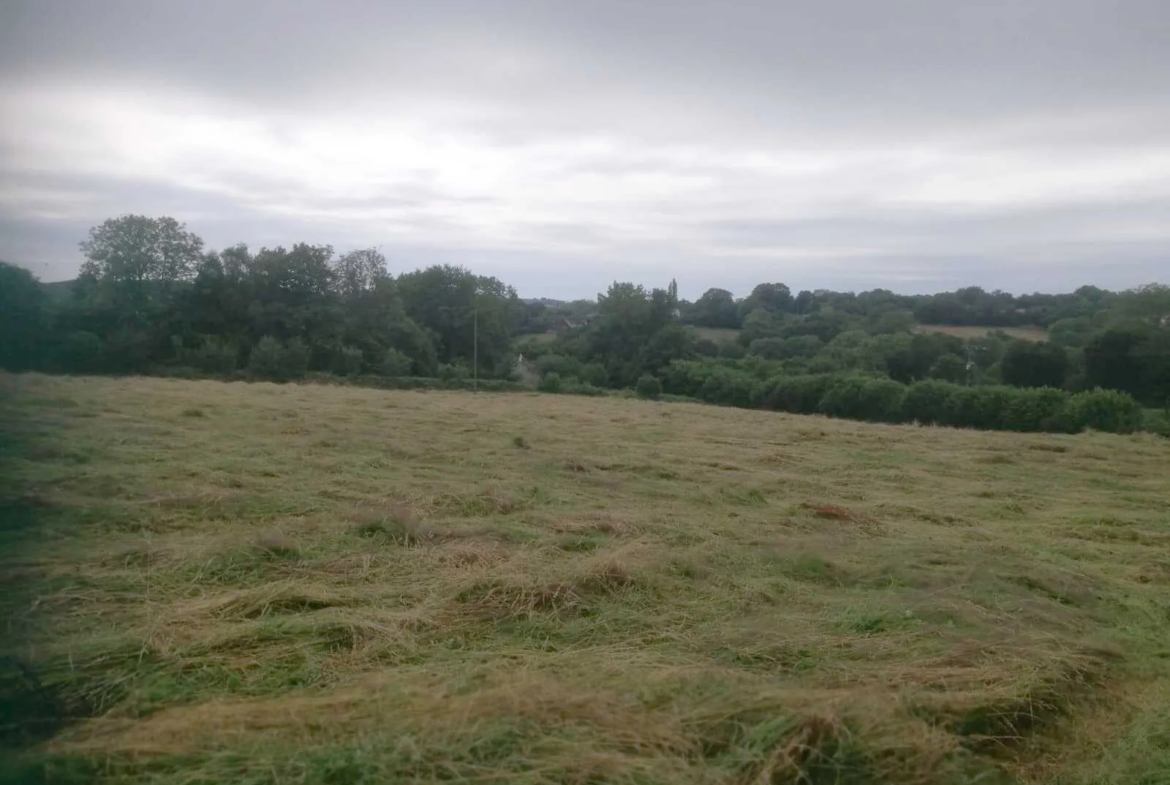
(1056, 85)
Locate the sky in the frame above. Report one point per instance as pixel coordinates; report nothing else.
(914, 145)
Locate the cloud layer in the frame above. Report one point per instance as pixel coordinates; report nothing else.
(907, 144)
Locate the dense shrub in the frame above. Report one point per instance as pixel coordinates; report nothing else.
(212, 356)
(394, 363)
(864, 398)
(1036, 410)
(349, 361)
(981, 408)
(728, 387)
(82, 352)
(270, 359)
(686, 377)
(797, 394)
(927, 402)
(593, 374)
(559, 364)
(649, 388)
(455, 370)
(1104, 410)
(550, 383)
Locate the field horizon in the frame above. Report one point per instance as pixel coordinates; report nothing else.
(261, 583)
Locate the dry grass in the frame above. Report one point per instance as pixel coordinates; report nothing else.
(972, 331)
(315, 584)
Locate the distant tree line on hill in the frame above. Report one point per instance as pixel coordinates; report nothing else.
(151, 299)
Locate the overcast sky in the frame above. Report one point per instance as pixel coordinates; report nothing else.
(916, 145)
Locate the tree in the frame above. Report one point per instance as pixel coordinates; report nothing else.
(23, 319)
(716, 308)
(772, 297)
(466, 314)
(358, 272)
(132, 250)
(1027, 364)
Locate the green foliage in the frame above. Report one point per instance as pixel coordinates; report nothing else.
(394, 363)
(350, 360)
(798, 394)
(550, 383)
(716, 308)
(980, 408)
(23, 319)
(149, 299)
(82, 352)
(213, 355)
(864, 398)
(1037, 410)
(649, 388)
(1027, 364)
(281, 362)
(949, 368)
(928, 402)
(1105, 410)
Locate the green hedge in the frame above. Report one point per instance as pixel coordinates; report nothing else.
(930, 402)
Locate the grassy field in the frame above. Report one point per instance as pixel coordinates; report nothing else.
(308, 584)
(967, 332)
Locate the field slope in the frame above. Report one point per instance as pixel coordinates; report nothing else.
(265, 584)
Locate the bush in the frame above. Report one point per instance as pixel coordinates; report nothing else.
(593, 374)
(686, 377)
(863, 398)
(559, 364)
(928, 402)
(349, 361)
(1104, 410)
(550, 383)
(213, 355)
(1036, 410)
(394, 363)
(266, 358)
(981, 408)
(270, 359)
(728, 387)
(649, 388)
(455, 371)
(296, 358)
(83, 352)
(798, 394)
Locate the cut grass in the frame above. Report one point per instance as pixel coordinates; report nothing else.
(322, 584)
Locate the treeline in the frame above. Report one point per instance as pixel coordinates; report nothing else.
(969, 306)
(875, 399)
(151, 299)
(1124, 346)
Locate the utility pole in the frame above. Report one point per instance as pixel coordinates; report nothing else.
(475, 341)
(475, 338)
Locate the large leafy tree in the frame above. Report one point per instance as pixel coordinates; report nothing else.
(773, 297)
(716, 308)
(468, 315)
(132, 251)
